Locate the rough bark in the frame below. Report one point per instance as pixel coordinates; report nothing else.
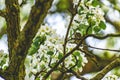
(19, 41)
(13, 23)
(108, 68)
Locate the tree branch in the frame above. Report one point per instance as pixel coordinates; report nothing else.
(102, 37)
(77, 75)
(13, 23)
(36, 17)
(73, 12)
(38, 73)
(24, 40)
(67, 33)
(66, 36)
(102, 48)
(109, 67)
(77, 47)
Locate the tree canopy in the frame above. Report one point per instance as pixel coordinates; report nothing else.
(88, 45)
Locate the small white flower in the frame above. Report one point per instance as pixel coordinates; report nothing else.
(34, 71)
(80, 69)
(75, 2)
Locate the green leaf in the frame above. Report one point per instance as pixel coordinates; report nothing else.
(35, 66)
(5, 67)
(53, 64)
(50, 53)
(6, 56)
(33, 50)
(39, 40)
(2, 62)
(95, 3)
(71, 32)
(79, 62)
(97, 29)
(63, 5)
(30, 74)
(36, 41)
(90, 30)
(81, 8)
(80, 58)
(76, 53)
(43, 38)
(42, 58)
(91, 22)
(60, 56)
(83, 32)
(89, 14)
(42, 66)
(37, 78)
(36, 44)
(80, 11)
(102, 25)
(83, 27)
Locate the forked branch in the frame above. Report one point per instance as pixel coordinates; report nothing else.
(109, 67)
(77, 47)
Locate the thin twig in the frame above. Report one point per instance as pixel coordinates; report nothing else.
(38, 73)
(77, 47)
(65, 41)
(68, 29)
(75, 62)
(69, 26)
(77, 75)
(102, 48)
(64, 45)
(49, 64)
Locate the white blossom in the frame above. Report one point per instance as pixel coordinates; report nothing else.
(75, 2)
(54, 43)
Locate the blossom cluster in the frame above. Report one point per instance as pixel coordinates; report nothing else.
(90, 18)
(50, 53)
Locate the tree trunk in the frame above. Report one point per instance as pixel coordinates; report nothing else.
(20, 41)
